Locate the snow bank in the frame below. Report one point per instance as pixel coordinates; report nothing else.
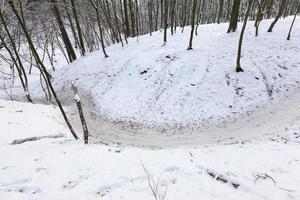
(167, 86)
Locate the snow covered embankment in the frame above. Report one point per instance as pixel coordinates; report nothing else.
(169, 87)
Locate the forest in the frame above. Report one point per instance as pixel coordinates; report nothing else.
(149, 99)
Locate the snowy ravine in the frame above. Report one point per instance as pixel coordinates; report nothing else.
(167, 86)
(183, 122)
(62, 169)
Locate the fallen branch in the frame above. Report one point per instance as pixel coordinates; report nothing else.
(31, 139)
(264, 177)
(220, 178)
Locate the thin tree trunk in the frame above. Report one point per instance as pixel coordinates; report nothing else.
(193, 25)
(65, 37)
(172, 6)
(165, 21)
(289, 34)
(280, 12)
(80, 36)
(71, 24)
(150, 8)
(238, 61)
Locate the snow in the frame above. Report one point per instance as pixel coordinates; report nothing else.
(62, 168)
(167, 87)
(180, 114)
(76, 98)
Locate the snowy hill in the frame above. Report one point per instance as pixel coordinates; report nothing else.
(167, 86)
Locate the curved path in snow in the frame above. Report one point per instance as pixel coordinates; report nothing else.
(274, 121)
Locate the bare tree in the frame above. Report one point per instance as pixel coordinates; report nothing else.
(95, 4)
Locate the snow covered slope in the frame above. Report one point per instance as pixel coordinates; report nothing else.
(62, 169)
(168, 86)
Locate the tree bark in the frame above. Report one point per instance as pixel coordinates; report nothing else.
(234, 16)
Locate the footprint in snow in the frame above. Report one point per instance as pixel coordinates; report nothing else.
(73, 183)
(70, 184)
(104, 190)
(21, 189)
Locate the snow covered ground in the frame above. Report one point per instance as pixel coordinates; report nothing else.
(60, 168)
(167, 86)
(149, 89)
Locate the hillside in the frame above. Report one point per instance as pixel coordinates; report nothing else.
(145, 83)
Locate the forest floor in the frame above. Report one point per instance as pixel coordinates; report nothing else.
(183, 123)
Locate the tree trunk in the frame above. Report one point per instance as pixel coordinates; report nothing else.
(65, 37)
(132, 18)
(289, 35)
(193, 24)
(150, 8)
(95, 5)
(238, 61)
(280, 12)
(234, 16)
(126, 18)
(165, 21)
(220, 12)
(80, 36)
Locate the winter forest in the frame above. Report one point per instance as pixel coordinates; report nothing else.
(149, 99)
